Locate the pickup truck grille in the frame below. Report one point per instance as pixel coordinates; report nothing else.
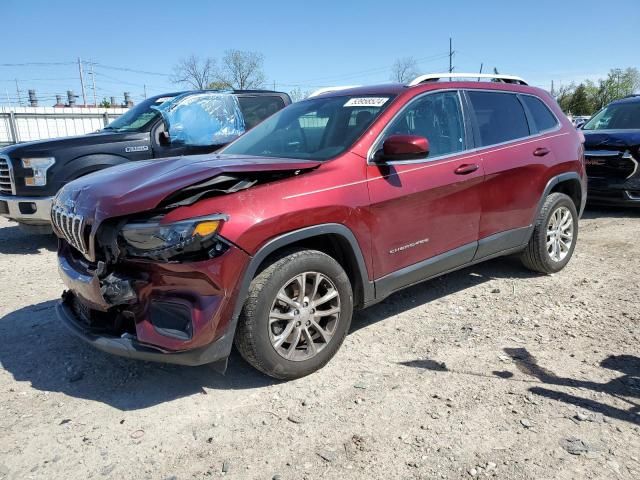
(6, 185)
(71, 227)
(610, 164)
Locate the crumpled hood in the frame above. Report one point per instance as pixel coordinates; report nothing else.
(611, 139)
(140, 186)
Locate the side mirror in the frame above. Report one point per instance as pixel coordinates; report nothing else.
(164, 139)
(403, 147)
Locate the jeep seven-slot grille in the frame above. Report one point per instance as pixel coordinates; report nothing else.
(6, 185)
(71, 227)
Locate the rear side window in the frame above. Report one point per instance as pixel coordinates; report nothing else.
(542, 116)
(256, 109)
(500, 117)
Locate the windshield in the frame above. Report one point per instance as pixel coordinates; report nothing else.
(617, 116)
(315, 129)
(139, 117)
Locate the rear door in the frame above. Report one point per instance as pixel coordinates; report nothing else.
(426, 208)
(516, 162)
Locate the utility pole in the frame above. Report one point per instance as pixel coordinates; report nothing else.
(18, 93)
(481, 65)
(145, 91)
(553, 93)
(451, 52)
(84, 94)
(274, 84)
(93, 80)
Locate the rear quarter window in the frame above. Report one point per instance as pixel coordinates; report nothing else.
(542, 116)
(256, 109)
(500, 117)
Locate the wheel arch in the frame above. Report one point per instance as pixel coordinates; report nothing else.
(335, 234)
(568, 183)
(335, 240)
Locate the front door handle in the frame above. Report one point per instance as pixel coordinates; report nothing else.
(466, 168)
(541, 151)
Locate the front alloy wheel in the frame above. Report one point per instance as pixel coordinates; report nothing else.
(296, 315)
(304, 316)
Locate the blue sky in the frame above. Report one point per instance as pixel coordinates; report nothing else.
(310, 44)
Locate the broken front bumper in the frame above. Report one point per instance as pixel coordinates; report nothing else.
(604, 191)
(167, 312)
(128, 346)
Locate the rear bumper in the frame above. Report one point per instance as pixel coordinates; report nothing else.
(29, 210)
(129, 347)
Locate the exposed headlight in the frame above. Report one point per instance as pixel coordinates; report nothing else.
(167, 241)
(39, 167)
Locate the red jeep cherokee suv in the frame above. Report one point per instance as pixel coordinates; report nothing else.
(329, 205)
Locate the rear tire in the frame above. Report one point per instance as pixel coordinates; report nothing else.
(554, 235)
(296, 316)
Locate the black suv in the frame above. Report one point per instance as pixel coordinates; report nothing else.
(174, 124)
(612, 144)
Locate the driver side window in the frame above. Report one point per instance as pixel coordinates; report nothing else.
(436, 116)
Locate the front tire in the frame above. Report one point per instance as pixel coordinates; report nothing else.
(296, 316)
(554, 235)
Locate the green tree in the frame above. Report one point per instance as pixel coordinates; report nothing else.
(564, 96)
(579, 104)
(592, 96)
(105, 103)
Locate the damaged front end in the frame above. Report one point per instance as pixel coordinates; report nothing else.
(148, 287)
(612, 162)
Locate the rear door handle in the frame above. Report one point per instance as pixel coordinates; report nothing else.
(466, 168)
(541, 151)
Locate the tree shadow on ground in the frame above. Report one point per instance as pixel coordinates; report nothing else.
(622, 387)
(625, 387)
(14, 241)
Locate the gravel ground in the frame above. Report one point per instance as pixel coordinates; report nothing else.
(487, 372)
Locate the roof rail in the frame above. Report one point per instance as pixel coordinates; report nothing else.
(434, 77)
(320, 91)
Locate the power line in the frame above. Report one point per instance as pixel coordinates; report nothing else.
(35, 64)
(132, 70)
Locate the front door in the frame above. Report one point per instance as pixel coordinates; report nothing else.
(425, 213)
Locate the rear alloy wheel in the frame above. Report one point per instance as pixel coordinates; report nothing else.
(296, 316)
(560, 234)
(554, 235)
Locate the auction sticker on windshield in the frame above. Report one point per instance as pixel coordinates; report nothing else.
(366, 102)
